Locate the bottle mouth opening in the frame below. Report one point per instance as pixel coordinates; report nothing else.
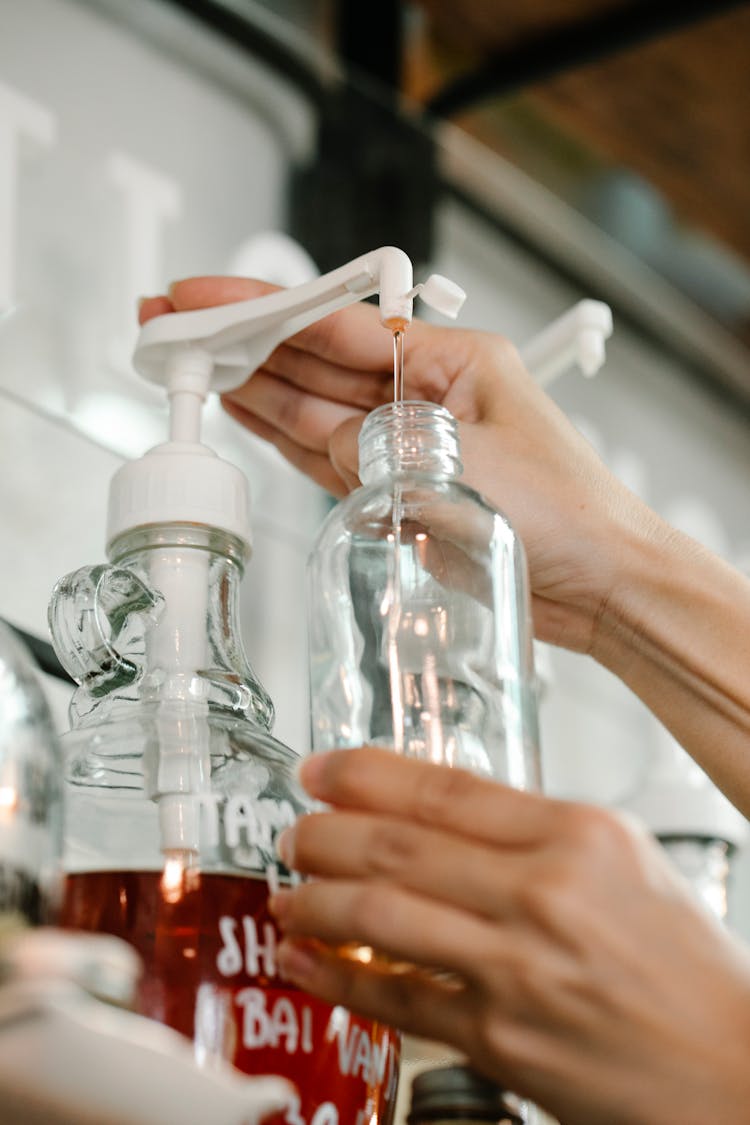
(409, 436)
(413, 411)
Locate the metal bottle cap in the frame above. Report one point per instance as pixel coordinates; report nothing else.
(452, 1093)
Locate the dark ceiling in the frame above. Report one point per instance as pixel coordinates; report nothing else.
(674, 107)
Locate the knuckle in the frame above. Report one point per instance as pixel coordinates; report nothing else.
(593, 830)
(504, 355)
(552, 893)
(591, 842)
(369, 908)
(305, 834)
(289, 408)
(392, 848)
(343, 776)
(441, 791)
(499, 1040)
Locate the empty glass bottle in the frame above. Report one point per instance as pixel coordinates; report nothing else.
(419, 623)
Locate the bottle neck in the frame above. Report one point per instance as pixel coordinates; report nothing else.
(409, 437)
(218, 544)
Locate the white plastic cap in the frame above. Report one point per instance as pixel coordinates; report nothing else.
(179, 483)
(442, 294)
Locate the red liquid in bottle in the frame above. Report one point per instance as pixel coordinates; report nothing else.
(208, 945)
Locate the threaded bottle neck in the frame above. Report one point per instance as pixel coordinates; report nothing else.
(409, 437)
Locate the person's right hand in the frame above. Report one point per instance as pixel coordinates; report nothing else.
(518, 448)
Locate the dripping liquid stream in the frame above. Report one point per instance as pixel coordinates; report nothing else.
(393, 600)
(398, 365)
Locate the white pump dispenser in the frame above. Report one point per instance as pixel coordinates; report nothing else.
(577, 338)
(216, 349)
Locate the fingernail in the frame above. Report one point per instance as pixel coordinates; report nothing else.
(285, 846)
(310, 771)
(295, 962)
(278, 904)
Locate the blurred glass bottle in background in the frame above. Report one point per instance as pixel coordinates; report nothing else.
(457, 1095)
(30, 791)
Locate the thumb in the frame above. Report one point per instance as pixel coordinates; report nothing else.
(343, 450)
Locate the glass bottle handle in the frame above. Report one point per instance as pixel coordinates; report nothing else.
(99, 617)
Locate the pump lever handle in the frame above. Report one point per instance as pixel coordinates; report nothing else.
(241, 335)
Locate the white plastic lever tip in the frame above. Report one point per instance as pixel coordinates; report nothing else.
(442, 294)
(591, 351)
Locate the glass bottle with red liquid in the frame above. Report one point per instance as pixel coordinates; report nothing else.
(176, 789)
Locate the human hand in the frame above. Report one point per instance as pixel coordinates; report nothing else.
(552, 943)
(309, 399)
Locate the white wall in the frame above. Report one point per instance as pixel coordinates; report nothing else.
(125, 167)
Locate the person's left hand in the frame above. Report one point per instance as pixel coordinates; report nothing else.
(549, 941)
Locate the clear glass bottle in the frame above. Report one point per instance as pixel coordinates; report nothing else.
(176, 790)
(30, 792)
(419, 621)
(457, 1095)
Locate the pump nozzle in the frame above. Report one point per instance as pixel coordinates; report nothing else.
(441, 294)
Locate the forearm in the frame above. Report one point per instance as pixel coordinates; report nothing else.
(676, 630)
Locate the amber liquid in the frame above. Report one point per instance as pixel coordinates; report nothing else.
(208, 946)
(398, 362)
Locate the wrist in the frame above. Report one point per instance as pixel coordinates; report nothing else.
(655, 577)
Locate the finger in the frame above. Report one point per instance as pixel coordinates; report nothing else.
(317, 466)
(412, 1002)
(375, 780)
(305, 419)
(343, 450)
(205, 292)
(353, 337)
(149, 307)
(441, 867)
(330, 380)
(398, 923)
